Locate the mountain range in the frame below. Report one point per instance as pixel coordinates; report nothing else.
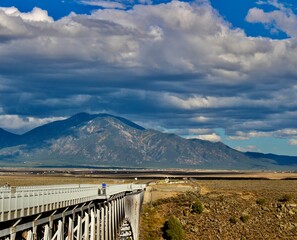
(112, 141)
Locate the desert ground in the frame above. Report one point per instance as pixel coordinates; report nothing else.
(232, 209)
(236, 205)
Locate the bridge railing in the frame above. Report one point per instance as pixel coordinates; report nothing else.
(16, 202)
(24, 201)
(115, 189)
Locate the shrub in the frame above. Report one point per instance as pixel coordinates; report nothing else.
(244, 218)
(261, 201)
(233, 220)
(286, 198)
(173, 229)
(197, 207)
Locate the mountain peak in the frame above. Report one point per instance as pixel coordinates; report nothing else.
(80, 115)
(83, 116)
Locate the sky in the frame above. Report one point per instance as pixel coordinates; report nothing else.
(215, 70)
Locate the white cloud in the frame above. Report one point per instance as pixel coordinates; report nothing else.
(145, 36)
(36, 15)
(201, 119)
(201, 102)
(282, 19)
(105, 4)
(182, 57)
(15, 122)
(282, 133)
(286, 132)
(293, 142)
(208, 137)
(249, 148)
(239, 135)
(196, 102)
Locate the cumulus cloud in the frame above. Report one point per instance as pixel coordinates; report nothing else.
(286, 132)
(179, 65)
(282, 19)
(20, 124)
(36, 15)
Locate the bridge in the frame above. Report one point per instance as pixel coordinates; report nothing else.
(73, 211)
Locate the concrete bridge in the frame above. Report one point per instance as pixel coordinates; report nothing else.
(75, 211)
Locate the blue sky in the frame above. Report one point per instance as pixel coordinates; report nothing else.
(215, 70)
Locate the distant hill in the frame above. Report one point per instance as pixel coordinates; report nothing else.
(106, 140)
(7, 138)
(279, 159)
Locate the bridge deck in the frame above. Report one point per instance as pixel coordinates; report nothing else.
(16, 202)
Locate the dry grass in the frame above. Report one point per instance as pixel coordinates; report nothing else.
(34, 180)
(223, 200)
(248, 185)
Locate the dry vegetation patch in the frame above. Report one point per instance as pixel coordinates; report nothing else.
(232, 209)
(36, 180)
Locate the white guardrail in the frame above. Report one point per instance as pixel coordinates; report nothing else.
(18, 202)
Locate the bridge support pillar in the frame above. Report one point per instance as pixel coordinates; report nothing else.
(86, 226)
(116, 217)
(113, 226)
(132, 209)
(109, 221)
(12, 233)
(102, 216)
(70, 233)
(98, 224)
(79, 228)
(106, 222)
(51, 226)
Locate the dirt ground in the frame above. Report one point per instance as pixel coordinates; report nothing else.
(161, 191)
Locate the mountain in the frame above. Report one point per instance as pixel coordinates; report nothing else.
(7, 138)
(107, 140)
(279, 159)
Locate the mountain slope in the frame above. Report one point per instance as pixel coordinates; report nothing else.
(7, 138)
(106, 140)
(64, 127)
(280, 159)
